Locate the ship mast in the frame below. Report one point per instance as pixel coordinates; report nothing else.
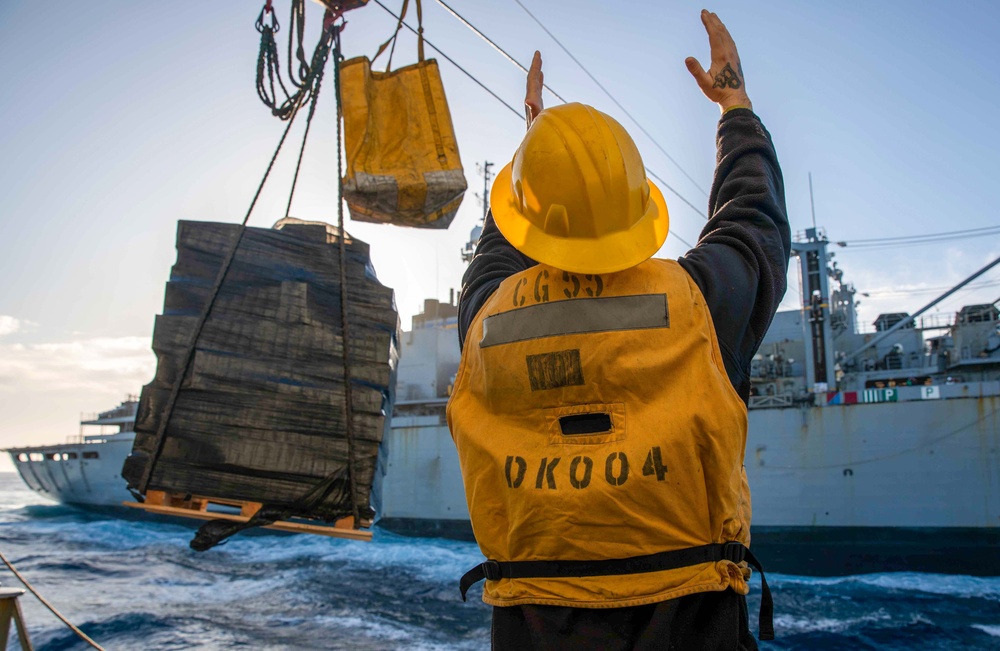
(484, 199)
(816, 309)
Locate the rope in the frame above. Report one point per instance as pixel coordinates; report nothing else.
(203, 317)
(86, 638)
(215, 531)
(305, 136)
(286, 111)
(267, 61)
(297, 23)
(267, 58)
(342, 236)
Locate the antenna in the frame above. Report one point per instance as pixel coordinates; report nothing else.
(470, 247)
(812, 204)
(484, 198)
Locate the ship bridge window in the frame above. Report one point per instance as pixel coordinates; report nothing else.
(90, 455)
(22, 457)
(70, 455)
(36, 456)
(52, 456)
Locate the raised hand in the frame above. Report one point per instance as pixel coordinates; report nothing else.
(533, 94)
(724, 83)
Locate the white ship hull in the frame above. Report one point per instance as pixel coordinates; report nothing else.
(908, 485)
(85, 474)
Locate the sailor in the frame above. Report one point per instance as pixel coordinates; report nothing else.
(599, 410)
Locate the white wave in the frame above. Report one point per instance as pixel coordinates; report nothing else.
(792, 624)
(951, 585)
(433, 559)
(18, 506)
(990, 629)
(918, 618)
(114, 533)
(216, 589)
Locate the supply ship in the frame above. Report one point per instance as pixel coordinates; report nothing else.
(866, 451)
(86, 470)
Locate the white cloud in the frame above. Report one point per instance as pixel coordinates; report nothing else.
(9, 325)
(111, 364)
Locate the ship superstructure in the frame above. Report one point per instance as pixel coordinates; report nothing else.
(86, 470)
(867, 451)
(821, 350)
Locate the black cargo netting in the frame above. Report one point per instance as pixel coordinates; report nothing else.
(260, 415)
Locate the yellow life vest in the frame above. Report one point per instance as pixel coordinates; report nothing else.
(594, 420)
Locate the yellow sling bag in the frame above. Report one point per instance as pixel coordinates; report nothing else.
(403, 166)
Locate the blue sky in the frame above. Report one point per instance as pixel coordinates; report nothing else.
(117, 118)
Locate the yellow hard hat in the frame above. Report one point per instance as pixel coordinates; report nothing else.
(576, 194)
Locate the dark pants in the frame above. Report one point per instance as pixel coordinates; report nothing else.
(707, 621)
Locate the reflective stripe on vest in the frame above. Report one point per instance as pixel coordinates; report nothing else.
(576, 317)
(594, 421)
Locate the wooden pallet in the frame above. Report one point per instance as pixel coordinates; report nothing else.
(196, 506)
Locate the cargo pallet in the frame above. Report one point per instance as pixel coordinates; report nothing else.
(197, 506)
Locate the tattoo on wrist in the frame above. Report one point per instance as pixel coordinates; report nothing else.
(727, 78)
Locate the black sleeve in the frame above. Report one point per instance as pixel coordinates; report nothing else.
(739, 263)
(495, 260)
(741, 258)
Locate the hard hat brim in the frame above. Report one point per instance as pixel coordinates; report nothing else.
(604, 254)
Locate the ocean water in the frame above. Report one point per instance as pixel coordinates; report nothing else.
(137, 586)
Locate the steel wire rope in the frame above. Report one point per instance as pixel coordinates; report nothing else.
(215, 531)
(297, 24)
(321, 54)
(86, 638)
(915, 240)
(203, 317)
(305, 136)
(267, 60)
(342, 242)
(521, 117)
(903, 245)
(928, 290)
(970, 231)
(610, 96)
(517, 63)
(496, 47)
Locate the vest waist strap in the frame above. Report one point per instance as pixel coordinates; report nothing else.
(731, 551)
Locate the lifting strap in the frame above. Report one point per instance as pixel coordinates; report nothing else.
(712, 553)
(215, 531)
(395, 35)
